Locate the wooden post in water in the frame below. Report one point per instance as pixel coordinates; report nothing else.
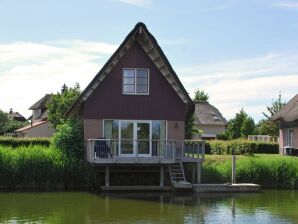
(233, 167)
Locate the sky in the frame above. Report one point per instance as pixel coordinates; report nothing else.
(242, 53)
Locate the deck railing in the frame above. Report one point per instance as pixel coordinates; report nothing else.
(194, 149)
(100, 150)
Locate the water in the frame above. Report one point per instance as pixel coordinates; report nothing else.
(77, 207)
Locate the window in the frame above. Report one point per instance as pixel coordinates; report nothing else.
(215, 117)
(135, 81)
(36, 114)
(288, 137)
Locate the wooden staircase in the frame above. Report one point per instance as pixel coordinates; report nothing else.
(178, 177)
(176, 172)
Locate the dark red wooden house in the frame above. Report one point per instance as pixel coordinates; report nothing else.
(134, 110)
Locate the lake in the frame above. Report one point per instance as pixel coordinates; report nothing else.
(270, 206)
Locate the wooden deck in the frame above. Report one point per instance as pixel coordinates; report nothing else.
(107, 152)
(196, 188)
(142, 160)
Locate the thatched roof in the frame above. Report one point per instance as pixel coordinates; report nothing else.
(207, 114)
(141, 35)
(41, 104)
(289, 112)
(16, 116)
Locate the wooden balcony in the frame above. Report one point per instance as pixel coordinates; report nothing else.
(131, 151)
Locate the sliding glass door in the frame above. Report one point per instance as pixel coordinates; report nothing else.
(143, 137)
(136, 138)
(127, 145)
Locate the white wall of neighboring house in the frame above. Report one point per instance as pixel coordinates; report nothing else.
(211, 130)
(42, 130)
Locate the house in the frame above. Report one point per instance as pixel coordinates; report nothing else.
(16, 116)
(39, 127)
(134, 112)
(209, 120)
(287, 118)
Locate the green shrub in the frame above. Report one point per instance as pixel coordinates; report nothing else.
(218, 147)
(222, 136)
(40, 167)
(270, 172)
(16, 142)
(69, 137)
(241, 147)
(267, 147)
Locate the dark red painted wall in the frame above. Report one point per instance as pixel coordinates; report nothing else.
(108, 102)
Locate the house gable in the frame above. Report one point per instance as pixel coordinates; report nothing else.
(108, 102)
(143, 38)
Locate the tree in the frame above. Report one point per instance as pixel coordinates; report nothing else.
(189, 127)
(200, 95)
(60, 102)
(234, 125)
(4, 120)
(274, 107)
(248, 127)
(266, 126)
(8, 125)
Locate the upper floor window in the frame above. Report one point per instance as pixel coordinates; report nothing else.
(135, 81)
(36, 114)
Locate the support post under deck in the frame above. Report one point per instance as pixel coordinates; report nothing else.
(199, 166)
(193, 174)
(161, 181)
(107, 176)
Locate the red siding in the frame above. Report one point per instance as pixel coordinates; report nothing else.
(108, 102)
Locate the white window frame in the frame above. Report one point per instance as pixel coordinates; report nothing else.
(288, 135)
(135, 135)
(135, 81)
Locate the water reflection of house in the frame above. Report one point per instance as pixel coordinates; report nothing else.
(39, 127)
(209, 120)
(134, 113)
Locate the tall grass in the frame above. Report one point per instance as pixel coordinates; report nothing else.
(268, 171)
(40, 167)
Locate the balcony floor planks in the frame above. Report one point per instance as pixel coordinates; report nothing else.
(141, 160)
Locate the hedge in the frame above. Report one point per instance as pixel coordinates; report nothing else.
(241, 147)
(17, 142)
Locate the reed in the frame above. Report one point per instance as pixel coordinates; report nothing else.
(270, 171)
(40, 167)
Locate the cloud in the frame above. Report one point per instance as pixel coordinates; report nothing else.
(138, 3)
(30, 70)
(177, 41)
(244, 83)
(287, 4)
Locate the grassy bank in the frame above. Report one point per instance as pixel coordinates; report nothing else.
(40, 167)
(271, 171)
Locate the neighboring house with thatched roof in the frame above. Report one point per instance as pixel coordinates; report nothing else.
(16, 116)
(39, 127)
(287, 118)
(209, 120)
